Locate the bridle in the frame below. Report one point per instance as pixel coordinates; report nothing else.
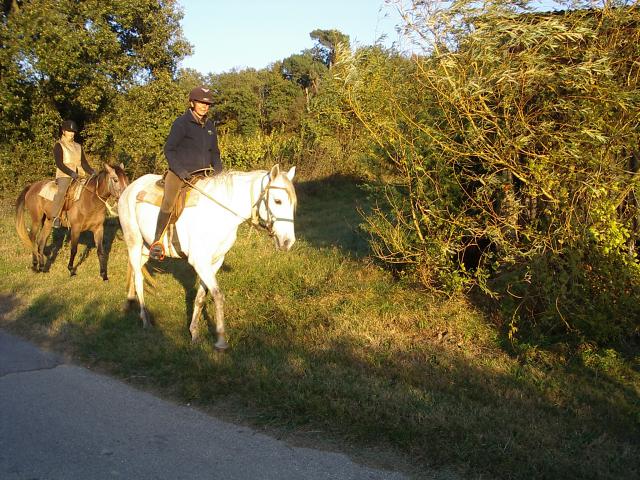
(113, 188)
(263, 198)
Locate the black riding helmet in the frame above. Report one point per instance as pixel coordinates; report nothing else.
(69, 126)
(202, 95)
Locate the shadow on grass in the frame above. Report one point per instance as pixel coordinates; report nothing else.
(328, 215)
(425, 399)
(184, 273)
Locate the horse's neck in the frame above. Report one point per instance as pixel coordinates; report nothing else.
(101, 186)
(93, 190)
(242, 194)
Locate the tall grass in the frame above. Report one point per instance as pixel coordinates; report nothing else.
(322, 340)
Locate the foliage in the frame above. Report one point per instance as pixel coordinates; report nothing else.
(516, 137)
(250, 101)
(68, 59)
(305, 70)
(328, 42)
(246, 152)
(135, 127)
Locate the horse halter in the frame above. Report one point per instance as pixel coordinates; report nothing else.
(114, 184)
(263, 198)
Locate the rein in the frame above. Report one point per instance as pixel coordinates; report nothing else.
(255, 216)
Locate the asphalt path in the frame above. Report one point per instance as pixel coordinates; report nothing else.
(62, 421)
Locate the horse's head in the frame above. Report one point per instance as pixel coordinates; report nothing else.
(117, 179)
(277, 207)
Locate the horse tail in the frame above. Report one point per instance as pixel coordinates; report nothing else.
(20, 227)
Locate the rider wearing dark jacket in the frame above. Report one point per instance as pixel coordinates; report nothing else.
(192, 145)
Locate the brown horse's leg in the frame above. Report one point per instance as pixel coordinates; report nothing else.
(98, 234)
(36, 259)
(37, 221)
(75, 236)
(42, 238)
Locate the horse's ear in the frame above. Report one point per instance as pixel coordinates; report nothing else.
(291, 173)
(121, 166)
(275, 171)
(108, 168)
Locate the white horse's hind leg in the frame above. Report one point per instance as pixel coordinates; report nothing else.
(208, 278)
(136, 284)
(138, 279)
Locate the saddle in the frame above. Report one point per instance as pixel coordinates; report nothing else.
(49, 189)
(187, 197)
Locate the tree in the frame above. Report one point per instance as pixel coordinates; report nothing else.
(327, 43)
(305, 70)
(70, 59)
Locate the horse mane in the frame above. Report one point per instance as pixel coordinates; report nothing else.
(225, 179)
(102, 173)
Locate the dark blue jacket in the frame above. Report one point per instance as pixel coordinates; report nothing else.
(192, 146)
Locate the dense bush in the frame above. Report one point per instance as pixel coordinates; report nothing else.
(514, 147)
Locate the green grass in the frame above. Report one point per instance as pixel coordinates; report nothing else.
(322, 340)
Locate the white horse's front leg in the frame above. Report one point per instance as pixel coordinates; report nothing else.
(207, 276)
(198, 303)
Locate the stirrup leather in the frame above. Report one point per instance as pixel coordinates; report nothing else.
(156, 251)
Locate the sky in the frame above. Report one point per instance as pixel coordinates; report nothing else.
(239, 34)
(228, 34)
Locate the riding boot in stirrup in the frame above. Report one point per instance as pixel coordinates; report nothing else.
(156, 250)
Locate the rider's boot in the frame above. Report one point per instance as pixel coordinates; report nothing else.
(156, 250)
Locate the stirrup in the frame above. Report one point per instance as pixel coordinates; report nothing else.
(57, 223)
(156, 251)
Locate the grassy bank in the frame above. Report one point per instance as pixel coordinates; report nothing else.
(324, 344)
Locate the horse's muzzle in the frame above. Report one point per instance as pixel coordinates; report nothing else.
(284, 244)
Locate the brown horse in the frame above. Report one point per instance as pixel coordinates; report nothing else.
(87, 213)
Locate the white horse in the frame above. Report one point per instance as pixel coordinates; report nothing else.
(208, 230)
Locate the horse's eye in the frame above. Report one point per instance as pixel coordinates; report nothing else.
(278, 202)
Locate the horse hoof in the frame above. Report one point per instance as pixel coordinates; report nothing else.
(129, 304)
(105, 278)
(221, 345)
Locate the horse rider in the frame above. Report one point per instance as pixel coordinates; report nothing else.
(71, 163)
(192, 145)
